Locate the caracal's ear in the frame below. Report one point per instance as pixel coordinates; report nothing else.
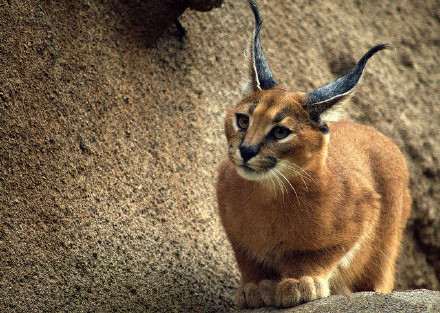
(321, 102)
(258, 74)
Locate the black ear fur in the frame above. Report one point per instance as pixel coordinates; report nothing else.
(326, 97)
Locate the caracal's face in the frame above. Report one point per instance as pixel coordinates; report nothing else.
(269, 133)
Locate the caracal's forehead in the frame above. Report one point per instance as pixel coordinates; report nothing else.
(272, 105)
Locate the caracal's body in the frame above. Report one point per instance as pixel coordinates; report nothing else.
(311, 208)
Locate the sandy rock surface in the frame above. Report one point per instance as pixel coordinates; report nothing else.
(109, 140)
(365, 302)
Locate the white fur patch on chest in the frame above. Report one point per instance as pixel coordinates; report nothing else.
(348, 258)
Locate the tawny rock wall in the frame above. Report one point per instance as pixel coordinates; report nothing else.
(111, 133)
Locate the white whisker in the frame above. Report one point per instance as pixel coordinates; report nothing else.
(269, 175)
(280, 183)
(289, 184)
(300, 168)
(294, 167)
(297, 173)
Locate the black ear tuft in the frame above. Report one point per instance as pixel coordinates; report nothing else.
(262, 77)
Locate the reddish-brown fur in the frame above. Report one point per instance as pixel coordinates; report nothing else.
(337, 225)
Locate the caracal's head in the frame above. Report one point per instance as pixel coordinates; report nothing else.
(275, 132)
(269, 133)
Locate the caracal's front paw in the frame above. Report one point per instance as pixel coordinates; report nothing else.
(291, 292)
(251, 295)
(248, 296)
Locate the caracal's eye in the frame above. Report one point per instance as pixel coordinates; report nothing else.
(280, 132)
(243, 121)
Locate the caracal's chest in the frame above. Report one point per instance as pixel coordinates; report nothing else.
(271, 224)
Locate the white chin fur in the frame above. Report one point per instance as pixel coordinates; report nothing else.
(249, 175)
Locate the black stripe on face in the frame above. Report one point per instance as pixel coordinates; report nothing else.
(271, 162)
(282, 115)
(252, 108)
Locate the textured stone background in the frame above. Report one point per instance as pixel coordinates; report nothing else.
(366, 302)
(111, 133)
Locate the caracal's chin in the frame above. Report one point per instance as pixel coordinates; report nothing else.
(249, 173)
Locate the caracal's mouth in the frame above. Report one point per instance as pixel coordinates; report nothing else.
(254, 169)
(249, 173)
(247, 168)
